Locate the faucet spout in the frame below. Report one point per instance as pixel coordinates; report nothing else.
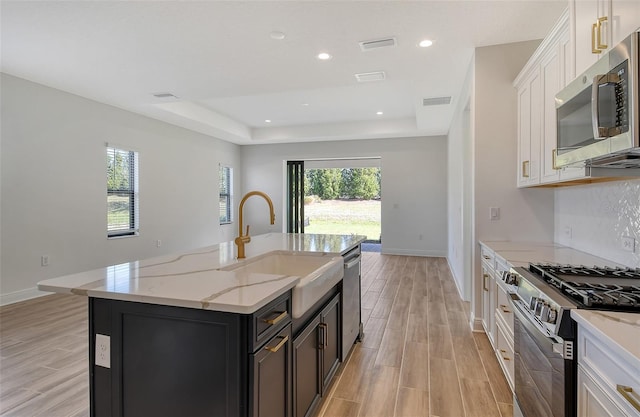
(241, 240)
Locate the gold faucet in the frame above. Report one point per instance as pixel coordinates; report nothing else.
(241, 240)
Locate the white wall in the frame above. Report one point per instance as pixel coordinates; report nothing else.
(525, 214)
(414, 187)
(599, 215)
(54, 185)
(460, 189)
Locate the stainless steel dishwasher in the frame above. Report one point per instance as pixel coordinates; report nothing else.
(351, 314)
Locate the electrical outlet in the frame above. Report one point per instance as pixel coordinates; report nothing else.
(103, 350)
(568, 232)
(628, 243)
(158, 243)
(44, 260)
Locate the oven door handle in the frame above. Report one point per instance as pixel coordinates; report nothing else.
(550, 344)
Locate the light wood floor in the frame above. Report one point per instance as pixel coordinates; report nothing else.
(418, 357)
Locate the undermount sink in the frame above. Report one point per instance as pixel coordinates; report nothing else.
(318, 273)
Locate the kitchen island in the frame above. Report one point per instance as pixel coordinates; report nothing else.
(175, 335)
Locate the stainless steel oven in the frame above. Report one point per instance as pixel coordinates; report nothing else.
(544, 370)
(544, 334)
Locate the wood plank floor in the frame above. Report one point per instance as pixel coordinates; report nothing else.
(418, 357)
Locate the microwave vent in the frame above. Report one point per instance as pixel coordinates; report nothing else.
(436, 101)
(617, 161)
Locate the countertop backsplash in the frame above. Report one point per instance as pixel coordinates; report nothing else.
(593, 218)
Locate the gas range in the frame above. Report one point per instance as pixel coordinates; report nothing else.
(546, 292)
(595, 287)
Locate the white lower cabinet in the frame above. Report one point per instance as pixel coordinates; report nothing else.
(608, 385)
(592, 400)
(504, 349)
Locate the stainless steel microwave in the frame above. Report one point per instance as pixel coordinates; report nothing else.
(597, 113)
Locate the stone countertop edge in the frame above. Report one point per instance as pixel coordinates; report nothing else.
(620, 330)
(184, 279)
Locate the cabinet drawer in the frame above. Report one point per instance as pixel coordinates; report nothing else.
(592, 401)
(503, 308)
(504, 352)
(488, 256)
(270, 319)
(609, 370)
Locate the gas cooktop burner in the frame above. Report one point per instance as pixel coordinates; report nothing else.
(595, 287)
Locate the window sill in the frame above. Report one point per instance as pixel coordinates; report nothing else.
(136, 234)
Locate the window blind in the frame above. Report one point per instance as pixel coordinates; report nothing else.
(122, 192)
(226, 186)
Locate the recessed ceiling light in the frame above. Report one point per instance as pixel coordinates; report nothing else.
(305, 104)
(379, 113)
(425, 43)
(277, 35)
(324, 56)
(267, 120)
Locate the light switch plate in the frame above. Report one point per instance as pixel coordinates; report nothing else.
(494, 213)
(103, 350)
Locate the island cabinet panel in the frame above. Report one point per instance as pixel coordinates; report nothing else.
(316, 357)
(174, 361)
(272, 377)
(306, 359)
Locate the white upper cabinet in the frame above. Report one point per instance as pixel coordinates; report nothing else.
(598, 25)
(549, 70)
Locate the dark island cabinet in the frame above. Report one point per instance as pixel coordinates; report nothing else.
(272, 377)
(175, 361)
(316, 357)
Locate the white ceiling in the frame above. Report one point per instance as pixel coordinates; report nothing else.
(229, 75)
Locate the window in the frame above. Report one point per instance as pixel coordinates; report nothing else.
(122, 192)
(226, 201)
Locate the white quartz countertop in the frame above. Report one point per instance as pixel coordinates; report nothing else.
(621, 330)
(192, 279)
(522, 253)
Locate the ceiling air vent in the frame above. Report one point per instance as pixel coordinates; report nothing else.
(364, 77)
(164, 95)
(435, 101)
(377, 43)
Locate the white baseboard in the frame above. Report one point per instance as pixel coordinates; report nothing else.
(410, 252)
(22, 295)
(476, 324)
(455, 280)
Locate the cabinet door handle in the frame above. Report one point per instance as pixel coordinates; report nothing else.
(525, 171)
(594, 50)
(280, 317)
(484, 282)
(629, 395)
(278, 346)
(324, 331)
(554, 157)
(504, 309)
(600, 45)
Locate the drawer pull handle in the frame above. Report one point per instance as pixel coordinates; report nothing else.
(277, 319)
(278, 346)
(503, 351)
(486, 257)
(506, 358)
(629, 395)
(505, 309)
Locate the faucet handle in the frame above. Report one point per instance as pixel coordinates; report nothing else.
(247, 231)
